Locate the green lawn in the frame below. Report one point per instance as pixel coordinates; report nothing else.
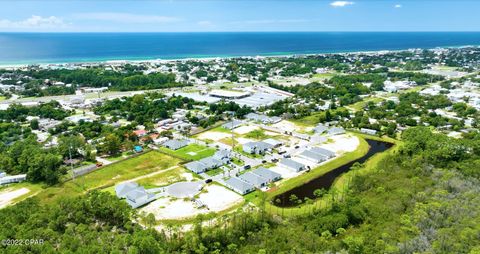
(361, 104)
(166, 178)
(214, 172)
(109, 175)
(190, 152)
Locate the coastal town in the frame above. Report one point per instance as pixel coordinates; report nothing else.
(175, 139)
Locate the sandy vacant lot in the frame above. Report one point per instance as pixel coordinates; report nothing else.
(244, 140)
(7, 196)
(216, 199)
(245, 129)
(286, 126)
(213, 135)
(342, 144)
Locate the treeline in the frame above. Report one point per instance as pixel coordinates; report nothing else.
(98, 77)
(144, 109)
(19, 113)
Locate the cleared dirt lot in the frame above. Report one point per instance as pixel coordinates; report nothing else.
(215, 198)
(7, 196)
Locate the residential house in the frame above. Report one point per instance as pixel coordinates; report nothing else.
(257, 147)
(323, 151)
(268, 174)
(232, 124)
(13, 179)
(254, 179)
(291, 164)
(175, 144)
(314, 157)
(239, 185)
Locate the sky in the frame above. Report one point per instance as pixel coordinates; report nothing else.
(238, 15)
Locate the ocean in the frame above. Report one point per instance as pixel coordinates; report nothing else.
(33, 48)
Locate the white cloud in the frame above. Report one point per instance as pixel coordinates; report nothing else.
(34, 22)
(120, 17)
(341, 3)
(204, 23)
(398, 6)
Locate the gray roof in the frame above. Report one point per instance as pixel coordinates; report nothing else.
(176, 143)
(211, 162)
(196, 166)
(139, 197)
(336, 130)
(232, 124)
(267, 174)
(323, 151)
(320, 128)
(239, 185)
(273, 142)
(122, 189)
(292, 164)
(254, 179)
(259, 145)
(222, 154)
(314, 156)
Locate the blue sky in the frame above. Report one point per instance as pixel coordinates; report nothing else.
(238, 15)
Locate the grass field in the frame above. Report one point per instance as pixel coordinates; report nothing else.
(361, 104)
(110, 175)
(190, 152)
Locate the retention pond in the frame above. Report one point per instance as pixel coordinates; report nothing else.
(325, 181)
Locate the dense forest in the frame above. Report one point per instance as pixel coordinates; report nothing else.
(128, 80)
(422, 198)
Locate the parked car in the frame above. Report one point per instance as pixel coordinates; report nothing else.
(208, 180)
(247, 167)
(274, 160)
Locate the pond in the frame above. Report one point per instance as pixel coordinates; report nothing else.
(325, 181)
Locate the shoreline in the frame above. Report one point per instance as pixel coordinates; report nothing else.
(146, 59)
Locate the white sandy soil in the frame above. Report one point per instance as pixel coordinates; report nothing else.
(213, 135)
(286, 126)
(7, 196)
(245, 129)
(342, 144)
(216, 198)
(244, 140)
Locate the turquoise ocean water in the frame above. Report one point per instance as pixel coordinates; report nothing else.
(31, 48)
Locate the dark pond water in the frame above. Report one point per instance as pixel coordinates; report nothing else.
(325, 181)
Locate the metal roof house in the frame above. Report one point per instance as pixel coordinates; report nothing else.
(336, 131)
(12, 179)
(254, 179)
(211, 162)
(223, 155)
(175, 144)
(217, 160)
(139, 197)
(291, 164)
(267, 174)
(323, 151)
(368, 131)
(196, 167)
(320, 128)
(314, 157)
(239, 185)
(273, 142)
(232, 124)
(122, 189)
(258, 147)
